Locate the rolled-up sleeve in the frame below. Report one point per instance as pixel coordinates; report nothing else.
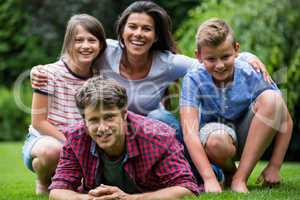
(190, 94)
(68, 173)
(174, 169)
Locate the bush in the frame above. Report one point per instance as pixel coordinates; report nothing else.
(19, 48)
(15, 112)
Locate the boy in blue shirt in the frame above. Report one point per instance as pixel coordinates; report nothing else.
(237, 112)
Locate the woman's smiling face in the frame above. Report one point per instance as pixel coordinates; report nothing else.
(139, 34)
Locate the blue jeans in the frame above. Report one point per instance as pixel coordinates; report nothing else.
(168, 118)
(30, 141)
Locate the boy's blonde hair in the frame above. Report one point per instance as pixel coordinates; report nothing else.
(213, 32)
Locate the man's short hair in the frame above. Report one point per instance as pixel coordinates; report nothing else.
(213, 32)
(99, 91)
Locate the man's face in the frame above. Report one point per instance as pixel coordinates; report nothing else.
(106, 126)
(219, 61)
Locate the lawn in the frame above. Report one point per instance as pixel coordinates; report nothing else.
(17, 183)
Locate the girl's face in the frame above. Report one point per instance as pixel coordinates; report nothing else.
(86, 47)
(139, 34)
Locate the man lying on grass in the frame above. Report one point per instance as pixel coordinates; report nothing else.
(116, 154)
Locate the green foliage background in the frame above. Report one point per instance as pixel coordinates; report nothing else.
(19, 49)
(31, 33)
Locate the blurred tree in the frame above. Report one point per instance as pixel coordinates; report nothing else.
(18, 48)
(49, 18)
(178, 10)
(268, 28)
(15, 109)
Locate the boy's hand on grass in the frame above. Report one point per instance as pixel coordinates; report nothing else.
(269, 177)
(212, 185)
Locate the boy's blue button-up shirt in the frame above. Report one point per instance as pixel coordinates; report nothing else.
(230, 102)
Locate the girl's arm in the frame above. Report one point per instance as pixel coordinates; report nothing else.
(39, 115)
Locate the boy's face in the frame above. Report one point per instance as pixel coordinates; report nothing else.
(219, 60)
(106, 126)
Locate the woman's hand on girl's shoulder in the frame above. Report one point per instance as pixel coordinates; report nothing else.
(256, 63)
(38, 77)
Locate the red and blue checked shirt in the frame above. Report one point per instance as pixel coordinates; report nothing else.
(154, 159)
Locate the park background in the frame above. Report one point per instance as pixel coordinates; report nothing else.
(32, 31)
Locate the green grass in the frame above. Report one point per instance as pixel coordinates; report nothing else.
(17, 183)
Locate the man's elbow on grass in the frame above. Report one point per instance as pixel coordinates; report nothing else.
(170, 193)
(61, 194)
(54, 194)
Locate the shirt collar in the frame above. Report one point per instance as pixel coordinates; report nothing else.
(93, 149)
(132, 131)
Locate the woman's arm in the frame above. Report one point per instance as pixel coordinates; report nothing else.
(256, 63)
(39, 115)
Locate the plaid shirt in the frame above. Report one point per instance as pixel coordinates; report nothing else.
(154, 159)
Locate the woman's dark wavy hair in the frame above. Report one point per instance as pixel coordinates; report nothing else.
(161, 19)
